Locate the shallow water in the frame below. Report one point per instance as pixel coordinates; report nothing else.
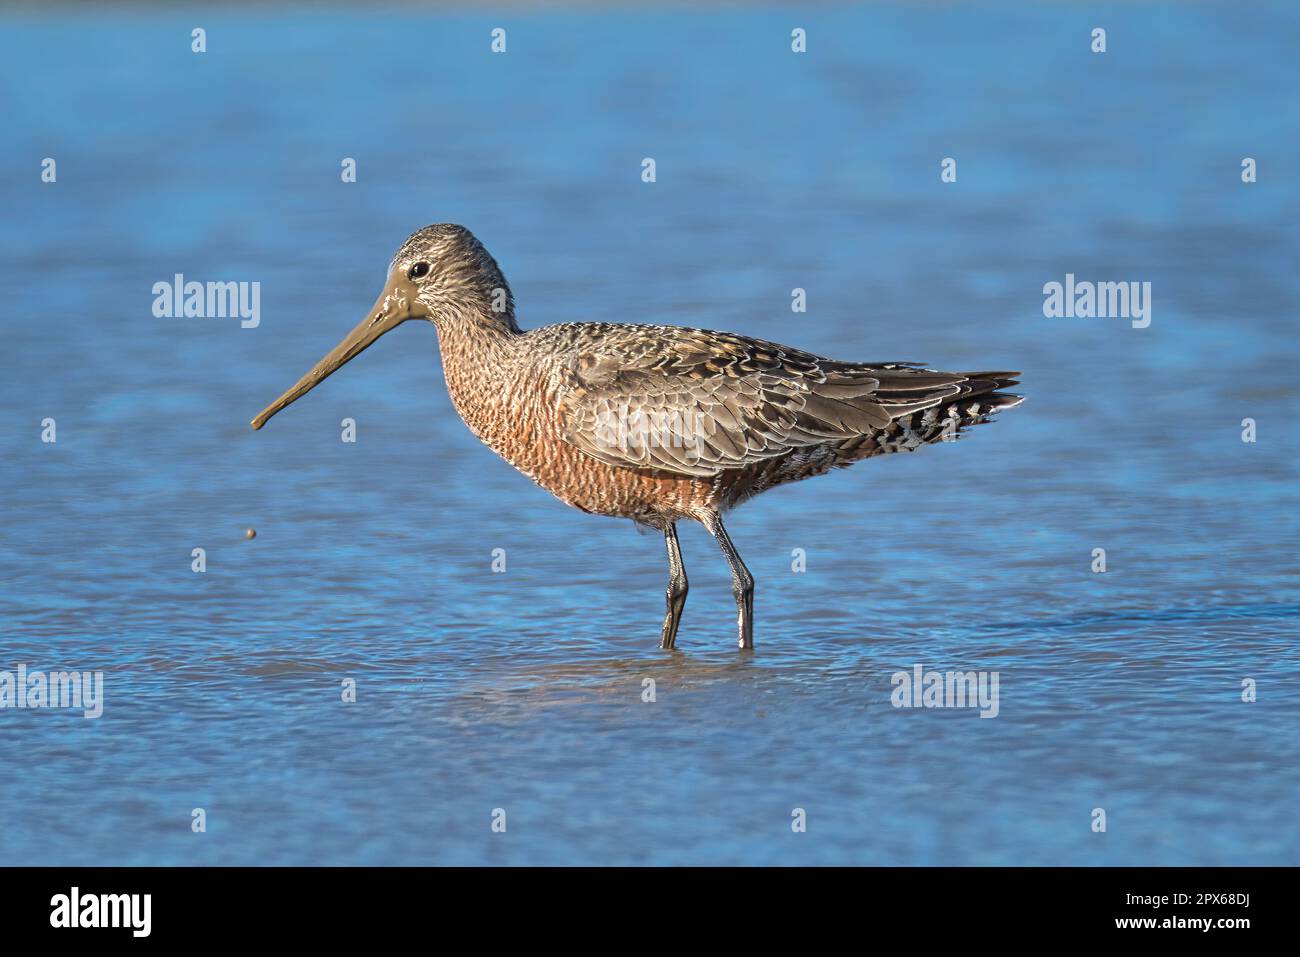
(523, 690)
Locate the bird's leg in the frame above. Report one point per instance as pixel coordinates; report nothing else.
(742, 584)
(677, 588)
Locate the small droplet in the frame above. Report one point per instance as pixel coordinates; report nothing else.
(251, 533)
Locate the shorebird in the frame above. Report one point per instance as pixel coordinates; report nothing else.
(647, 422)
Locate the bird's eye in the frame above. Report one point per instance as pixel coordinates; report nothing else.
(418, 271)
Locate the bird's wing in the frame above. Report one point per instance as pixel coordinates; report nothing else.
(694, 402)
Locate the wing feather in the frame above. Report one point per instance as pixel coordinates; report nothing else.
(694, 402)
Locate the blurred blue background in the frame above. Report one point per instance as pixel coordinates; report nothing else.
(522, 690)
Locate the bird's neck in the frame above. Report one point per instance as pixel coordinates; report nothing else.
(475, 333)
(479, 359)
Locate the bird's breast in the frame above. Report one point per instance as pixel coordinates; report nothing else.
(520, 419)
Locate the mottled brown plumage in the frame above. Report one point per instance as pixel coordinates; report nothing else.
(653, 423)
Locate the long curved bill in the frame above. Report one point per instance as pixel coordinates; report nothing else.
(396, 304)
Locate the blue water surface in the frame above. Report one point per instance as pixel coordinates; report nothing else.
(523, 690)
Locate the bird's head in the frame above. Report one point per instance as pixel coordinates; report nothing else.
(441, 274)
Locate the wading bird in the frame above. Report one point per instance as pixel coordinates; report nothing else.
(652, 423)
